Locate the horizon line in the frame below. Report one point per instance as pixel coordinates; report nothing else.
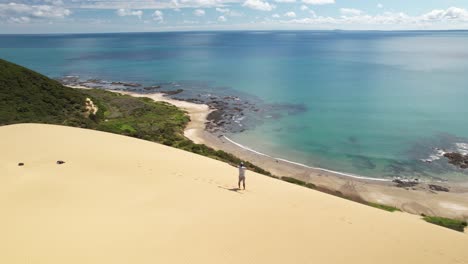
(238, 30)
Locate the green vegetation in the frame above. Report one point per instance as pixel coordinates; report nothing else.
(454, 224)
(299, 182)
(154, 121)
(384, 207)
(29, 97)
(26, 96)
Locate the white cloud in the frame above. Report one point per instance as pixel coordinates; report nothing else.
(54, 2)
(350, 12)
(379, 5)
(158, 16)
(199, 12)
(304, 7)
(128, 12)
(22, 13)
(228, 12)
(223, 10)
(275, 16)
(318, 2)
(149, 4)
(259, 5)
(452, 13)
(222, 19)
(190, 22)
(285, 1)
(19, 20)
(290, 14)
(452, 16)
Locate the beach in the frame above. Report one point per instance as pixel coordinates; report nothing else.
(117, 199)
(419, 199)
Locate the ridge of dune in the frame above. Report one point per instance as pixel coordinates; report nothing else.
(122, 200)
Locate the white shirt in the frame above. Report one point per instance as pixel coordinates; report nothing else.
(241, 172)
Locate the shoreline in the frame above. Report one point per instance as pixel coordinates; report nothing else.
(196, 132)
(306, 166)
(418, 199)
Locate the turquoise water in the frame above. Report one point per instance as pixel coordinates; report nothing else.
(375, 102)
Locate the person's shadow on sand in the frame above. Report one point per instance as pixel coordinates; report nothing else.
(235, 189)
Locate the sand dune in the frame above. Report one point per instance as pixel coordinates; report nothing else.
(123, 200)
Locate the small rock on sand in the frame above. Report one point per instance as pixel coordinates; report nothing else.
(438, 188)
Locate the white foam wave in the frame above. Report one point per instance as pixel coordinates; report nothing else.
(438, 154)
(305, 166)
(246, 148)
(462, 148)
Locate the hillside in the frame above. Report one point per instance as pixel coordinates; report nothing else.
(30, 97)
(27, 96)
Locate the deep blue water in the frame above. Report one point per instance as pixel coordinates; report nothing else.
(372, 103)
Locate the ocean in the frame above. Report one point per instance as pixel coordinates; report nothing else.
(377, 104)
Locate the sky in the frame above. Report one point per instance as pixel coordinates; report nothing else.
(94, 16)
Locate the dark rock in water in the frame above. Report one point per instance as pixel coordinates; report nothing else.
(194, 100)
(215, 116)
(438, 188)
(21, 164)
(149, 88)
(60, 162)
(178, 91)
(94, 80)
(405, 183)
(457, 159)
(126, 84)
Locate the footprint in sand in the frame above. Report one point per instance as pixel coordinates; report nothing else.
(178, 174)
(344, 219)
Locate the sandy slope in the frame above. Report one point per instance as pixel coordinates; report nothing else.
(123, 200)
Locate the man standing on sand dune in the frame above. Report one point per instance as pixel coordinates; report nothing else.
(241, 175)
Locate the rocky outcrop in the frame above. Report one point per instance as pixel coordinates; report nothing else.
(438, 188)
(178, 91)
(150, 88)
(406, 183)
(126, 84)
(457, 159)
